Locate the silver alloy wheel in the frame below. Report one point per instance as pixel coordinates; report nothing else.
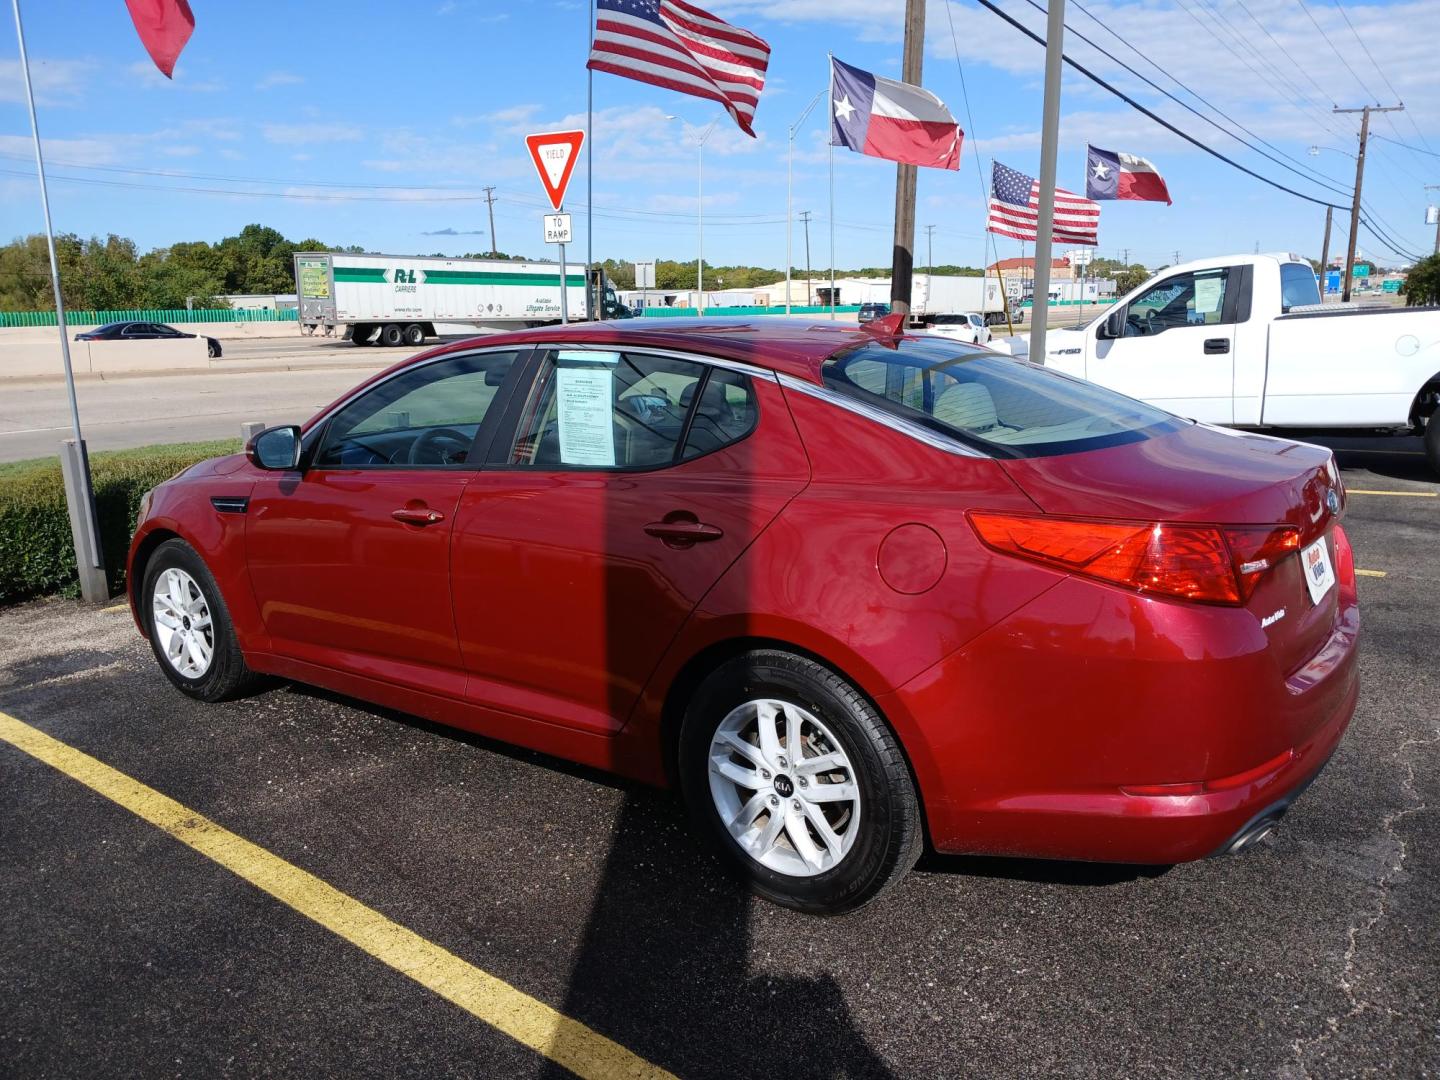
(180, 620)
(784, 787)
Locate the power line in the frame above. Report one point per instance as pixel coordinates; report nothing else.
(1098, 81)
(1406, 145)
(1306, 8)
(1324, 180)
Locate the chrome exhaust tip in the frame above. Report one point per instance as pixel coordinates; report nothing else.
(1253, 835)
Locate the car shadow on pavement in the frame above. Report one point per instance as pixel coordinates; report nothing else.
(1039, 871)
(664, 965)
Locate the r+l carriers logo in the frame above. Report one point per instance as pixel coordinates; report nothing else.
(405, 281)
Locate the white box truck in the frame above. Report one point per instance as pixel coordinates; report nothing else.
(399, 299)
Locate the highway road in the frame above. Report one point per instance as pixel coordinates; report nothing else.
(284, 380)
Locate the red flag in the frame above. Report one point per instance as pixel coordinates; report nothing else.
(165, 26)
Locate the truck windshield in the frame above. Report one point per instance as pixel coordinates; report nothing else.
(1004, 406)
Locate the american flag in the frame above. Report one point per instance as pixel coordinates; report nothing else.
(678, 46)
(1015, 207)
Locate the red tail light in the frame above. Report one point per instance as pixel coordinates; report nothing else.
(1215, 564)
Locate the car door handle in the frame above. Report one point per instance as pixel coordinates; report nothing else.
(417, 515)
(1215, 345)
(683, 532)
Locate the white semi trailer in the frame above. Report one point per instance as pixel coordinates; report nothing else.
(398, 299)
(942, 294)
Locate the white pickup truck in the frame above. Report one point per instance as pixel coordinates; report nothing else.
(1244, 341)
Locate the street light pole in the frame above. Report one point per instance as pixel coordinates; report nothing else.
(700, 219)
(790, 195)
(74, 461)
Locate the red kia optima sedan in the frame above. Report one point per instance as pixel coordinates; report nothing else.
(850, 590)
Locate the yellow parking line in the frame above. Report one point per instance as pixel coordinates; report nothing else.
(1371, 573)
(546, 1030)
(1406, 494)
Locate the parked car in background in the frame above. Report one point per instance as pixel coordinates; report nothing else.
(142, 331)
(851, 590)
(965, 326)
(1243, 340)
(871, 312)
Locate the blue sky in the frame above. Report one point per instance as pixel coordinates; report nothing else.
(380, 123)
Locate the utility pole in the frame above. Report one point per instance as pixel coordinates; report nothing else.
(490, 202)
(930, 250)
(1435, 187)
(1359, 179)
(805, 217)
(1049, 149)
(1325, 250)
(1125, 257)
(903, 259)
(1177, 258)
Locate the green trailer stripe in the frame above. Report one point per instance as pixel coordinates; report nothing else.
(498, 277)
(368, 274)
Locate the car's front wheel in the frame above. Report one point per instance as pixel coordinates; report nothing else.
(189, 625)
(1432, 441)
(800, 782)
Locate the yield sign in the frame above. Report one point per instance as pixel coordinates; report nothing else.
(555, 154)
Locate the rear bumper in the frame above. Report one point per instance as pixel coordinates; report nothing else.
(1114, 758)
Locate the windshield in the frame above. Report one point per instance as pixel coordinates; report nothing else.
(1007, 407)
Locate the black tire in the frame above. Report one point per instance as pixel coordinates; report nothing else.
(889, 836)
(391, 335)
(360, 333)
(226, 676)
(414, 334)
(1432, 442)
(212, 349)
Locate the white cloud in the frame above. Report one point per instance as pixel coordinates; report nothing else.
(56, 82)
(90, 151)
(279, 78)
(146, 74)
(299, 134)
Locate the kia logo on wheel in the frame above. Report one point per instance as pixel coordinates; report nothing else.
(783, 786)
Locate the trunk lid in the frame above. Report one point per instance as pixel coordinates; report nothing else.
(1212, 476)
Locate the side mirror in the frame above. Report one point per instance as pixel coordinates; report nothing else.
(1113, 325)
(276, 448)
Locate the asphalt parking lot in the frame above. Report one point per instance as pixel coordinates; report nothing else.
(126, 953)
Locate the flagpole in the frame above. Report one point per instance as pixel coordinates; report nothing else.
(598, 300)
(75, 464)
(1049, 140)
(789, 214)
(831, 149)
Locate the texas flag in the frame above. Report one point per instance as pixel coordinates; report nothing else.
(892, 120)
(1109, 175)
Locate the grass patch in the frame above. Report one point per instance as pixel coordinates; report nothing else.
(37, 554)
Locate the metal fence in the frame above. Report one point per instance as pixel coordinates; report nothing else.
(758, 309)
(178, 315)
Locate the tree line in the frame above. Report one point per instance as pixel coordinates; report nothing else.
(112, 273)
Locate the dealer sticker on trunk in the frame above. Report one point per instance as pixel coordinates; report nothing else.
(1319, 574)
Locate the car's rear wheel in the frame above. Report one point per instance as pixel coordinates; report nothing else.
(414, 334)
(800, 782)
(212, 349)
(189, 625)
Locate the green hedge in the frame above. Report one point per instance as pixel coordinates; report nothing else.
(37, 554)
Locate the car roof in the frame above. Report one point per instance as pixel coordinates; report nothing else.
(792, 346)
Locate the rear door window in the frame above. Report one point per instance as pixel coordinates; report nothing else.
(997, 404)
(597, 409)
(1298, 286)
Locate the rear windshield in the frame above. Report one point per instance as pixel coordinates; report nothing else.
(1004, 406)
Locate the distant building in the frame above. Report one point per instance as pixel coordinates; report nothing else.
(261, 301)
(1017, 270)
